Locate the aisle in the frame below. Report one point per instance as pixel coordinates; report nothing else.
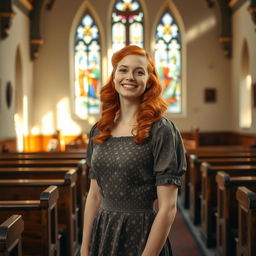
(183, 243)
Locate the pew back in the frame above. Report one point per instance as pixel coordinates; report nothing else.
(10, 235)
(40, 221)
(67, 208)
(247, 221)
(227, 210)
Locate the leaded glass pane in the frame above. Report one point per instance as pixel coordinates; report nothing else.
(87, 68)
(136, 34)
(118, 36)
(127, 24)
(127, 5)
(168, 61)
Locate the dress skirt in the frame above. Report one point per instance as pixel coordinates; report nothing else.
(122, 232)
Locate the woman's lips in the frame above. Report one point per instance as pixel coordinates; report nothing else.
(129, 86)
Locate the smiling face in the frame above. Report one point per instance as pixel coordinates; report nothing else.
(131, 76)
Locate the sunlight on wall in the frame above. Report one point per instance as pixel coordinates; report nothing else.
(105, 75)
(19, 132)
(91, 120)
(47, 124)
(246, 102)
(35, 130)
(21, 124)
(25, 115)
(64, 121)
(110, 53)
(200, 28)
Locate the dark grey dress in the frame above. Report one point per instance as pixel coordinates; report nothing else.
(127, 174)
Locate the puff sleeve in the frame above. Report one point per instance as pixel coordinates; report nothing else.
(168, 153)
(89, 152)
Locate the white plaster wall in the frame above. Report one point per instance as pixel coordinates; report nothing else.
(18, 36)
(243, 29)
(52, 77)
(205, 66)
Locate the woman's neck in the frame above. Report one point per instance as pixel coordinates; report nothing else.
(128, 112)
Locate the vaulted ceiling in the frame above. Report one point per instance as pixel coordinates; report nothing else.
(33, 9)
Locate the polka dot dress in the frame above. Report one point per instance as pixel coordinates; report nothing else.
(127, 174)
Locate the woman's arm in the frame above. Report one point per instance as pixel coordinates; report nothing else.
(91, 208)
(167, 198)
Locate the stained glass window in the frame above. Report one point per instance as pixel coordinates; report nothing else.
(87, 67)
(127, 24)
(168, 61)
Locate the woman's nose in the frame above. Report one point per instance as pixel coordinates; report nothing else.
(130, 75)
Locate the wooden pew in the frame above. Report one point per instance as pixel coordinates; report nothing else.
(34, 172)
(209, 196)
(246, 241)
(79, 165)
(40, 221)
(67, 215)
(195, 179)
(213, 152)
(78, 152)
(45, 173)
(39, 156)
(10, 235)
(227, 210)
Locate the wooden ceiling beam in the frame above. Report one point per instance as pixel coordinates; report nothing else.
(35, 35)
(252, 10)
(6, 15)
(225, 37)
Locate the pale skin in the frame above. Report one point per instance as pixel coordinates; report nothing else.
(130, 81)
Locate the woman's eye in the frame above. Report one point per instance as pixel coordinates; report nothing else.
(140, 72)
(122, 70)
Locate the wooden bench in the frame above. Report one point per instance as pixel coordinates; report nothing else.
(48, 152)
(214, 152)
(34, 172)
(44, 173)
(246, 241)
(40, 221)
(227, 210)
(67, 208)
(40, 156)
(209, 196)
(82, 177)
(195, 180)
(10, 235)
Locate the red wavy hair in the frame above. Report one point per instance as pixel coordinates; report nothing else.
(150, 110)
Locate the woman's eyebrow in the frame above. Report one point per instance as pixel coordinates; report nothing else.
(124, 66)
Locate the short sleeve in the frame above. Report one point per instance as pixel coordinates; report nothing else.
(89, 152)
(168, 152)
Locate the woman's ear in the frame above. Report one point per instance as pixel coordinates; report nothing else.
(149, 83)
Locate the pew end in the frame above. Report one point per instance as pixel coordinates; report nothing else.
(10, 236)
(245, 242)
(227, 207)
(40, 220)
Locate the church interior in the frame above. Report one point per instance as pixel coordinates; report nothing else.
(55, 56)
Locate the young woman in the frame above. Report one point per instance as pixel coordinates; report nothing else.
(135, 156)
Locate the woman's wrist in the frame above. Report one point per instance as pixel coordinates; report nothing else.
(84, 251)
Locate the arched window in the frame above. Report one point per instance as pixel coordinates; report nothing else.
(127, 24)
(87, 67)
(168, 61)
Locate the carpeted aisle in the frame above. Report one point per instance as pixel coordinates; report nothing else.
(183, 243)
